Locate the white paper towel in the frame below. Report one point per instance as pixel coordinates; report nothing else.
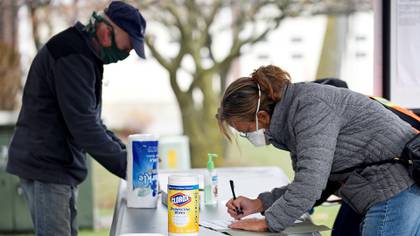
(142, 165)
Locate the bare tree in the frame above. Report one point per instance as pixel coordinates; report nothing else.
(43, 14)
(191, 29)
(34, 8)
(10, 66)
(10, 81)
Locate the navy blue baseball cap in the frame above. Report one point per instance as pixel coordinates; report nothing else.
(131, 21)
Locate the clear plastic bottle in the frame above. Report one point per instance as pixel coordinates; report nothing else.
(210, 182)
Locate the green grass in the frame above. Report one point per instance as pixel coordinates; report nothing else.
(325, 215)
(104, 232)
(105, 189)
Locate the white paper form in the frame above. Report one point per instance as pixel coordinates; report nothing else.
(223, 224)
(218, 225)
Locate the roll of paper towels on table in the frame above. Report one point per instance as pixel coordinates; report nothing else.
(142, 165)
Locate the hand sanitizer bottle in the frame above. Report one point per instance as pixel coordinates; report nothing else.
(210, 182)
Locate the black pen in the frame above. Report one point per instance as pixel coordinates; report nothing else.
(232, 187)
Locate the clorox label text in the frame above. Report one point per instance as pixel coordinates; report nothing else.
(180, 199)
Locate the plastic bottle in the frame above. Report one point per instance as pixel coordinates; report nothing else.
(210, 182)
(183, 205)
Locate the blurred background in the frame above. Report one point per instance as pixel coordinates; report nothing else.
(195, 48)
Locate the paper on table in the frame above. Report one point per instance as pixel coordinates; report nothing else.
(216, 224)
(224, 224)
(306, 227)
(302, 225)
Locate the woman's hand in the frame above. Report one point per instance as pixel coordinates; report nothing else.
(257, 225)
(245, 206)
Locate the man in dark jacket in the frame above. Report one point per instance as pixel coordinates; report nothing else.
(60, 118)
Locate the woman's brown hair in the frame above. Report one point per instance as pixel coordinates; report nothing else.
(240, 98)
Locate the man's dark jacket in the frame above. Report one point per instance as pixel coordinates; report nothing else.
(60, 116)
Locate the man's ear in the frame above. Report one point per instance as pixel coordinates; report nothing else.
(103, 32)
(264, 119)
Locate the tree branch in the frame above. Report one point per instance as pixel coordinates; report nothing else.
(175, 87)
(208, 20)
(157, 55)
(173, 10)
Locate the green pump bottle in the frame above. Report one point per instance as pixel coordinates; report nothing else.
(210, 182)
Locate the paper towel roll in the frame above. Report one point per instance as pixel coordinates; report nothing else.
(142, 166)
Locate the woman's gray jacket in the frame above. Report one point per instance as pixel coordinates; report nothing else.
(328, 129)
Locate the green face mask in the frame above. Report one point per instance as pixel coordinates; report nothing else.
(108, 54)
(112, 54)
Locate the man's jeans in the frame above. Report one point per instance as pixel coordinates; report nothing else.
(52, 206)
(399, 215)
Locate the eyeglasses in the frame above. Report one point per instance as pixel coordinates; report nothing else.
(243, 134)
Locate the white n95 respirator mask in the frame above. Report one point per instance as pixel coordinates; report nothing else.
(257, 138)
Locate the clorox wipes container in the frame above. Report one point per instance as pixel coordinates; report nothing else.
(183, 205)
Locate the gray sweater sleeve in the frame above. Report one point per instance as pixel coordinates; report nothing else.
(316, 129)
(268, 198)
